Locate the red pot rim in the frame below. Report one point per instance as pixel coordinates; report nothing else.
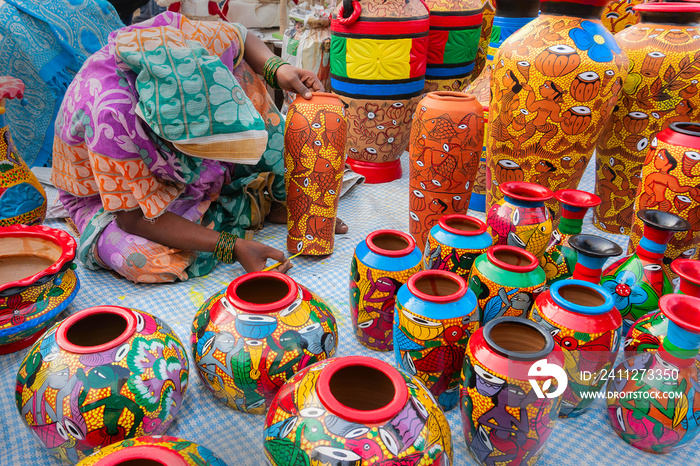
(577, 198)
(451, 96)
(668, 7)
(62, 330)
(532, 265)
(465, 218)
(376, 416)
(677, 134)
(389, 252)
(687, 269)
(682, 310)
(524, 191)
(157, 453)
(461, 283)
(289, 297)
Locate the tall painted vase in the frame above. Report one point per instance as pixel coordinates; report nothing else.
(486, 25)
(620, 14)
(455, 30)
(446, 139)
(583, 321)
(661, 89)
(382, 263)
(508, 409)
(592, 252)
(435, 316)
(638, 281)
(314, 142)
(379, 52)
(671, 183)
(554, 84)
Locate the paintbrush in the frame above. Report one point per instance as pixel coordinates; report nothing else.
(274, 266)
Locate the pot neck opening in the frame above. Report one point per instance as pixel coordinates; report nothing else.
(437, 286)
(577, 10)
(143, 455)
(390, 243)
(512, 259)
(262, 292)
(688, 271)
(451, 96)
(581, 297)
(687, 128)
(518, 339)
(517, 8)
(96, 329)
(462, 225)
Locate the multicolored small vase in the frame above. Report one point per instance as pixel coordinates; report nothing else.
(655, 402)
(103, 375)
(154, 450)
(446, 140)
(454, 243)
(520, 218)
(509, 407)
(355, 411)
(506, 281)
(583, 320)
(559, 259)
(592, 252)
(620, 14)
(37, 282)
(638, 281)
(435, 316)
(314, 148)
(251, 337)
(382, 263)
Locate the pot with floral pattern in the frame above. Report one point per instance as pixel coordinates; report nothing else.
(637, 282)
(660, 90)
(582, 318)
(592, 252)
(378, 56)
(454, 243)
(382, 263)
(508, 409)
(104, 374)
(506, 281)
(554, 84)
(355, 411)
(435, 315)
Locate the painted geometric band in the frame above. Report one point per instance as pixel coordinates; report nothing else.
(401, 89)
(382, 27)
(457, 70)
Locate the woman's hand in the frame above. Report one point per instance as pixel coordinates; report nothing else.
(253, 256)
(298, 80)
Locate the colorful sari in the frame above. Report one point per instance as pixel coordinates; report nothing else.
(107, 159)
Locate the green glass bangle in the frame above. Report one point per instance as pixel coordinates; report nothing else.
(270, 70)
(223, 250)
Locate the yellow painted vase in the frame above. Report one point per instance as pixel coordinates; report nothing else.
(485, 39)
(620, 14)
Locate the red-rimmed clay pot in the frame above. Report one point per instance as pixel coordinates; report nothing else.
(251, 337)
(103, 375)
(37, 282)
(592, 252)
(506, 281)
(393, 418)
(382, 263)
(153, 451)
(512, 383)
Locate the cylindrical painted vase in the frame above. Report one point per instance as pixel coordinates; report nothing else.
(251, 337)
(436, 313)
(620, 14)
(506, 281)
(314, 144)
(454, 243)
(554, 84)
(379, 52)
(592, 252)
(446, 139)
(583, 321)
(661, 89)
(508, 400)
(382, 263)
(103, 375)
(356, 411)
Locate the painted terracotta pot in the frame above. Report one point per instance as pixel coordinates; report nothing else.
(503, 419)
(455, 30)
(506, 281)
(251, 337)
(356, 411)
(314, 144)
(671, 183)
(559, 258)
(638, 281)
(378, 57)
(668, 378)
(620, 14)
(37, 282)
(521, 218)
(382, 263)
(661, 89)
(435, 316)
(103, 375)
(554, 84)
(454, 243)
(583, 321)
(592, 252)
(506, 20)
(22, 198)
(446, 139)
(485, 38)
(153, 451)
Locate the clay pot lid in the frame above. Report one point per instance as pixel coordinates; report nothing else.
(156, 454)
(682, 310)
(523, 327)
(577, 198)
(524, 191)
(687, 269)
(665, 221)
(450, 223)
(65, 241)
(390, 243)
(581, 297)
(243, 294)
(79, 333)
(594, 246)
(527, 261)
(663, 7)
(437, 286)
